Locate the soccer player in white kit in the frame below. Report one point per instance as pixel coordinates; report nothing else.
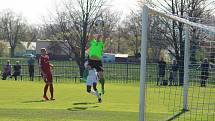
(92, 79)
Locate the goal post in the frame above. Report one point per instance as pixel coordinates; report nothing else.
(144, 39)
(186, 68)
(181, 92)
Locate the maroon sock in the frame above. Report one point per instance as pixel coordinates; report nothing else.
(51, 89)
(45, 90)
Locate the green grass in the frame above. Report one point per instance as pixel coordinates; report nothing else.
(21, 101)
(169, 100)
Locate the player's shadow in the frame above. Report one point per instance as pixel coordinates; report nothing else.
(34, 101)
(81, 108)
(83, 103)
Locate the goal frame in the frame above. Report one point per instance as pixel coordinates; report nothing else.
(146, 10)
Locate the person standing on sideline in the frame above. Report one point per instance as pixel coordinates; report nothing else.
(95, 57)
(173, 73)
(45, 69)
(6, 70)
(31, 68)
(204, 72)
(161, 71)
(17, 70)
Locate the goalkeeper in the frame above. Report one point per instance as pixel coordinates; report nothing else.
(95, 57)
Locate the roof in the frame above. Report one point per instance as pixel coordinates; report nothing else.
(5, 43)
(48, 40)
(31, 46)
(121, 55)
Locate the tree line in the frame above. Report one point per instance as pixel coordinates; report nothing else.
(75, 20)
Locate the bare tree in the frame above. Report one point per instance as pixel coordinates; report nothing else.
(111, 20)
(74, 25)
(133, 25)
(2, 48)
(12, 28)
(32, 33)
(173, 30)
(199, 12)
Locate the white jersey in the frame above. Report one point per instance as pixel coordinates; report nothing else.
(92, 77)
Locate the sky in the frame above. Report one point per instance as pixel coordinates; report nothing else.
(35, 10)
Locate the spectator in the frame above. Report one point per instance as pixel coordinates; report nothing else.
(161, 71)
(31, 68)
(6, 70)
(17, 70)
(173, 73)
(204, 72)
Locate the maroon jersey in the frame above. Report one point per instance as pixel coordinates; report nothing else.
(44, 64)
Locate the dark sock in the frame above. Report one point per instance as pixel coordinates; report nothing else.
(102, 81)
(51, 89)
(45, 89)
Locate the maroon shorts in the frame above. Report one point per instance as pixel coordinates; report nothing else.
(47, 78)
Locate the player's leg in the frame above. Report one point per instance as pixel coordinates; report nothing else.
(170, 82)
(96, 92)
(45, 91)
(32, 75)
(89, 88)
(206, 78)
(158, 79)
(174, 77)
(100, 71)
(51, 87)
(45, 87)
(202, 78)
(4, 76)
(89, 83)
(90, 91)
(15, 75)
(102, 81)
(30, 72)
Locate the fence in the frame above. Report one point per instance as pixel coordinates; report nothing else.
(68, 71)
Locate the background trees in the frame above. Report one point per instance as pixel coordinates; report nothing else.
(12, 29)
(76, 21)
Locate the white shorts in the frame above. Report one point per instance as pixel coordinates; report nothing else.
(91, 80)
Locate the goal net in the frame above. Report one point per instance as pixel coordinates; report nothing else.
(177, 68)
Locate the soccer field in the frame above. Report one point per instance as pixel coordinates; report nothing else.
(22, 101)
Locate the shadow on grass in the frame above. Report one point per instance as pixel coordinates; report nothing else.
(83, 103)
(34, 101)
(81, 108)
(176, 115)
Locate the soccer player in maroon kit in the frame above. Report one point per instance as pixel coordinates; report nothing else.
(45, 69)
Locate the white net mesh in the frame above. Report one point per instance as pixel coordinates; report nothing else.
(165, 87)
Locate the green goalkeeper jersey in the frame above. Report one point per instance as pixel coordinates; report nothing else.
(96, 49)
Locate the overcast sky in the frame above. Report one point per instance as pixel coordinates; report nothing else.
(34, 10)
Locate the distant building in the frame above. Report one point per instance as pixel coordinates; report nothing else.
(25, 48)
(121, 57)
(21, 48)
(108, 57)
(111, 57)
(57, 49)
